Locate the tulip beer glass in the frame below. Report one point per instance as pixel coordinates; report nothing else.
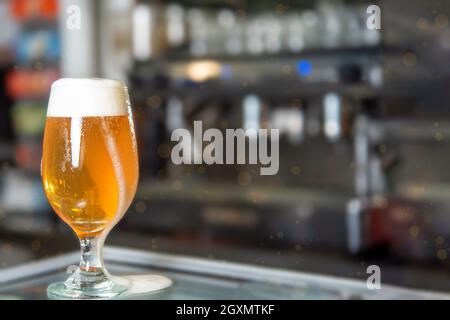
(89, 173)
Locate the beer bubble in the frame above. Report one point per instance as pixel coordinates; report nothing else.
(295, 170)
(35, 245)
(422, 23)
(441, 21)
(441, 254)
(244, 178)
(414, 231)
(409, 59)
(140, 207)
(154, 102)
(177, 185)
(439, 240)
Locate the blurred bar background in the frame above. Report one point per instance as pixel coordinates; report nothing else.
(363, 117)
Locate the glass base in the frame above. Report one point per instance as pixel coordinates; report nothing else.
(86, 285)
(102, 286)
(59, 290)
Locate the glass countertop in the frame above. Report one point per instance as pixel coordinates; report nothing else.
(195, 278)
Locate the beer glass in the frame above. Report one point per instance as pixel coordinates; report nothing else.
(90, 173)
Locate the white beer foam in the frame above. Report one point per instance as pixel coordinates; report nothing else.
(71, 97)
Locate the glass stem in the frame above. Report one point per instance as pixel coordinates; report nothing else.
(91, 274)
(91, 256)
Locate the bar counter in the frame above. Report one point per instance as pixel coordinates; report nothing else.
(195, 278)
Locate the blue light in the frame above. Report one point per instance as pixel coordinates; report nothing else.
(304, 68)
(226, 72)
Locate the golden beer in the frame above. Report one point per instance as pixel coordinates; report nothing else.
(90, 170)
